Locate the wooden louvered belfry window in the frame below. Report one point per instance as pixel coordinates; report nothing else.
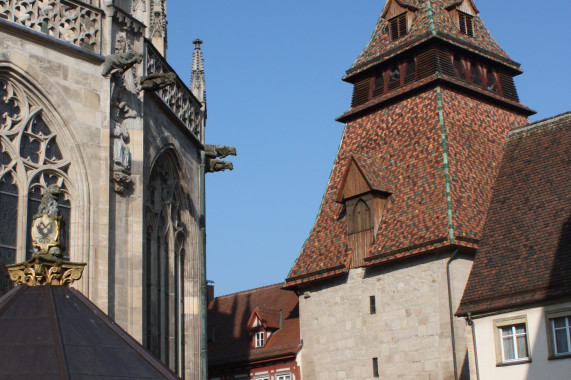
(397, 26)
(465, 23)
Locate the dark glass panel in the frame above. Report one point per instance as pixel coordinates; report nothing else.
(52, 151)
(5, 158)
(8, 108)
(7, 256)
(40, 128)
(8, 218)
(30, 148)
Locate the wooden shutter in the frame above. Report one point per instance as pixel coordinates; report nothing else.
(361, 92)
(465, 24)
(397, 26)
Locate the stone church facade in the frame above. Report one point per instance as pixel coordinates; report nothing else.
(89, 102)
(383, 270)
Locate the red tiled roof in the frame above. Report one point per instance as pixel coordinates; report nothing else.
(525, 250)
(432, 20)
(402, 144)
(229, 316)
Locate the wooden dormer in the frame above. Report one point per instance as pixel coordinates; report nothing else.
(399, 16)
(364, 204)
(262, 324)
(463, 13)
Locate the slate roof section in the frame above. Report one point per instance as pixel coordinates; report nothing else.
(54, 332)
(229, 316)
(525, 250)
(432, 20)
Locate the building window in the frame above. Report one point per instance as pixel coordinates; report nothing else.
(558, 324)
(372, 305)
(285, 376)
(561, 328)
(259, 339)
(511, 340)
(375, 367)
(397, 26)
(466, 24)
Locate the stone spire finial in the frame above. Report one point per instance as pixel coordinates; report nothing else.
(197, 83)
(47, 265)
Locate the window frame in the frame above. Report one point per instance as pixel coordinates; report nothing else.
(283, 376)
(466, 22)
(396, 34)
(549, 317)
(498, 338)
(259, 337)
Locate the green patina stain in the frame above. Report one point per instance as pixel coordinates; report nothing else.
(445, 159)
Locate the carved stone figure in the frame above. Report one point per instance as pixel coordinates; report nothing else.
(218, 165)
(122, 183)
(49, 205)
(155, 82)
(220, 151)
(120, 62)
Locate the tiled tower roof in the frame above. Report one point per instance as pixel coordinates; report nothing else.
(435, 150)
(431, 20)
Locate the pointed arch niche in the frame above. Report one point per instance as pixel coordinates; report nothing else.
(168, 230)
(36, 150)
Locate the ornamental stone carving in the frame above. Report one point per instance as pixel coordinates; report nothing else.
(125, 109)
(70, 21)
(120, 62)
(154, 82)
(177, 97)
(47, 266)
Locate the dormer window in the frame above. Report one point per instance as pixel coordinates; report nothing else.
(364, 202)
(259, 339)
(397, 26)
(466, 24)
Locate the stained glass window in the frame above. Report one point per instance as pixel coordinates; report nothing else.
(27, 147)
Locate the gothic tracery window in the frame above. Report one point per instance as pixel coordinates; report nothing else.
(30, 161)
(165, 241)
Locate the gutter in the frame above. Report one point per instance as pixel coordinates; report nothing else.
(471, 324)
(203, 287)
(454, 254)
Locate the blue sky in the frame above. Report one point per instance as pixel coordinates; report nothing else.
(274, 89)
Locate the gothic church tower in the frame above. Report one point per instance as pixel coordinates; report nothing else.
(387, 260)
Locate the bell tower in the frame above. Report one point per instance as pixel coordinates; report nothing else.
(433, 100)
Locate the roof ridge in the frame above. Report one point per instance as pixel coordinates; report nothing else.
(278, 285)
(540, 123)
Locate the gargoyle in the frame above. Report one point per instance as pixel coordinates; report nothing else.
(218, 165)
(155, 82)
(219, 151)
(120, 62)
